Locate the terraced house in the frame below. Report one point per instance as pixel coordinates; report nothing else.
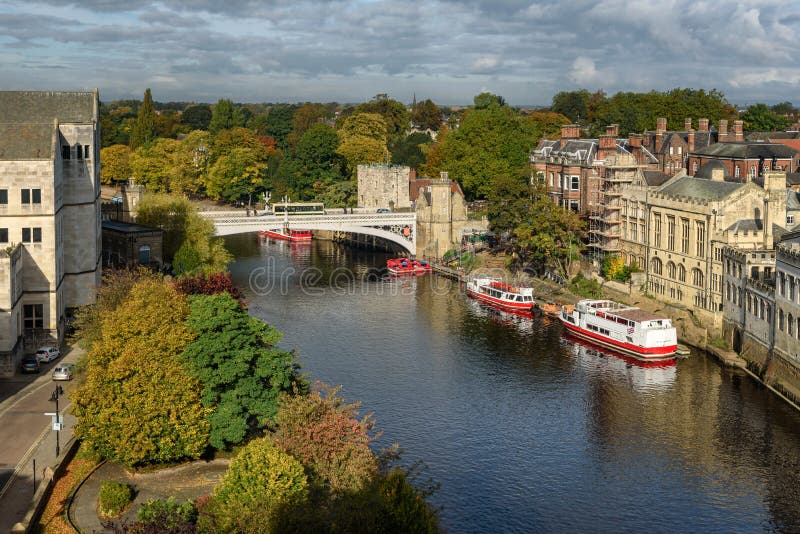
(49, 215)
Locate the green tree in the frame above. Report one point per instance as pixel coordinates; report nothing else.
(395, 115)
(304, 118)
(427, 115)
(144, 132)
(409, 151)
(197, 117)
(760, 118)
(190, 164)
(488, 100)
(153, 165)
(115, 164)
(277, 124)
(339, 194)
(572, 104)
(225, 116)
(168, 124)
(784, 108)
(314, 164)
(237, 175)
(137, 405)
(261, 481)
(363, 139)
(545, 124)
(242, 372)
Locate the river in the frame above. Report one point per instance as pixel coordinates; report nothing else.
(524, 430)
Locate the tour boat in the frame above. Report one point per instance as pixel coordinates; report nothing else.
(495, 292)
(408, 266)
(623, 328)
(287, 235)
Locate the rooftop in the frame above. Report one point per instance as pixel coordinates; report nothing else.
(19, 107)
(700, 188)
(128, 228)
(26, 141)
(747, 150)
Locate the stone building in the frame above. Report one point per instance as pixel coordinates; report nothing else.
(128, 245)
(442, 217)
(745, 161)
(49, 214)
(384, 186)
(692, 218)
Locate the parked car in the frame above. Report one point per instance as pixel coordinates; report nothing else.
(30, 364)
(384, 210)
(62, 372)
(47, 354)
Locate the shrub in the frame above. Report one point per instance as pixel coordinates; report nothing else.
(584, 287)
(166, 516)
(114, 498)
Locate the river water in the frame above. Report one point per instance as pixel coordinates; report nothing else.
(524, 430)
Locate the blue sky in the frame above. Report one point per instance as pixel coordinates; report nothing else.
(328, 50)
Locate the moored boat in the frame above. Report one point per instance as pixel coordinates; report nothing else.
(287, 235)
(495, 292)
(623, 328)
(398, 266)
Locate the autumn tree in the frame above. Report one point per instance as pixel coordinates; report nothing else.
(197, 117)
(242, 372)
(304, 118)
(545, 124)
(153, 165)
(427, 115)
(137, 404)
(363, 139)
(190, 164)
(395, 115)
(115, 164)
(236, 175)
(144, 132)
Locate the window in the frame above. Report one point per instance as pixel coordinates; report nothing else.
(681, 273)
(671, 150)
(86, 151)
(3, 196)
(144, 255)
(753, 171)
(783, 284)
(749, 303)
(680, 150)
(656, 266)
(551, 179)
(790, 325)
(694, 168)
(574, 205)
(31, 196)
(642, 232)
(33, 316)
(791, 288)
(3, 235)
(701, 239)
(65, 151)
(781, 324)
(685, 236)
(680, 294)
(670, 232)
(634, 233)
(761, 309)
(576, 182)
(717, 253)
(790, 219)
(657, 230)
(697, 277)
(31, 235)
(79, 152)
(671, 270)
(737, 171)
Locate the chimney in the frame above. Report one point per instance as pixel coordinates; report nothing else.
(738, 130)
(702, 125)
(687, 124)
(718, 175)
(570, 131)
(607, 145)
(635, 140)
(661, 125)
(612, 129)
(444, 175)
(723, 130)
(691, 140)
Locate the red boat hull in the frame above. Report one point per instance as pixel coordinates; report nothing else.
(283, 237)
(639, 362)
(520, 306)
(645, 353)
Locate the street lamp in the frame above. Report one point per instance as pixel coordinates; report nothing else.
(57, 417)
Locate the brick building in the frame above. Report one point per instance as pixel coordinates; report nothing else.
(745, 161)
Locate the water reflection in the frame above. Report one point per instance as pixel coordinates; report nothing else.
(527, 431)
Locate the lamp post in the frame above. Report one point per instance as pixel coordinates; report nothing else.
(57, 419)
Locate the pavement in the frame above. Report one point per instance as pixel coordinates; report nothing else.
(27, 438)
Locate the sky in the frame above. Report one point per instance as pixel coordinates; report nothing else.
(446, 50)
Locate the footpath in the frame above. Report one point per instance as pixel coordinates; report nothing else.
(27, 438)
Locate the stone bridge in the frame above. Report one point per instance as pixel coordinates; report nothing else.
(398, 228)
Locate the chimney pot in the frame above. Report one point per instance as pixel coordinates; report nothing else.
(691, 140)
(702, 125)
(570, 131)
(687, 123)
(661, 124)
(612, 129)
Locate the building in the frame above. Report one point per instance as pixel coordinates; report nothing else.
(745, 161)
(384, 186)
(692, 218)
(671, 147)
(49, 215)
(129, 245)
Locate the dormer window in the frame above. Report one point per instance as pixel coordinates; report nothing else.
(65, 151)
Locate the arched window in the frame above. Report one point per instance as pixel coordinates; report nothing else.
(681, 273)
(767, 311)
(797, 332)
(728, 291)
(790, 325)
(781, 320)
(760, 309)
(657, 266)
(749, 303)
(671, 270)
(697, 277)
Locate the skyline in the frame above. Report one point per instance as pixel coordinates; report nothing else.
(448, 51)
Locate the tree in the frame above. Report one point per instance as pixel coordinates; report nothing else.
(242, 372)
(237, 175)
(261, 481)
(137, 405)
(545, 124)
(760, 118)
(314, 164)
(572, 104)
(153, 165)
(490, 142)
(409, 151)
(225, 116)
(277, 123)
(427, 115)
(197, 117)
(303, 119)
(363, 139)
(784, 108)
(395, 116)
(209, 284)
(190, 163)
(115, 164)
(488, 100)
(339, 194)
(167, 124)
(144, 132)
(327, 436)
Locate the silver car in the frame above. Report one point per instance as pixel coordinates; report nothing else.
(62, 372)
(47, 354)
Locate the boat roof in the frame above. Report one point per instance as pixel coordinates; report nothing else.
(637, 314)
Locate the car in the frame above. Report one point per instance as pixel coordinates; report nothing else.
(30, 364)
(47, 354)
(384, 210)
(62, 372)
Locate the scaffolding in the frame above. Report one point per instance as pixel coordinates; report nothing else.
(605, 204)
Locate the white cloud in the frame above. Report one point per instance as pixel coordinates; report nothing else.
(485, 64)
(584, 72)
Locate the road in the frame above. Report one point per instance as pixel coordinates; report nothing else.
(26, 435)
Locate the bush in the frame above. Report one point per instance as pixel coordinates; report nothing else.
(114, 498)
(166, 516)
(584, 287)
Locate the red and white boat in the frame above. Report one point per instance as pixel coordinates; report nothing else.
(287, 235)
(623, 328)
(496, 293)
(399, 266)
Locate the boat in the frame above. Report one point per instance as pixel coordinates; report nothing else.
(626, 329)
(287, 235)
(400, 266)
(497, 293)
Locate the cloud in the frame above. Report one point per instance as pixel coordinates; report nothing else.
(584, 72)
(485, 64)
